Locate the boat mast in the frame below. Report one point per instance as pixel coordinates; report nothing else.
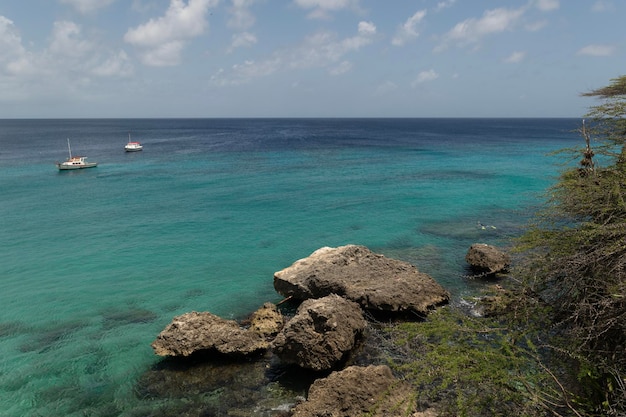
(68, 147)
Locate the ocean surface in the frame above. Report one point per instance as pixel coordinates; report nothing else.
(95, 263)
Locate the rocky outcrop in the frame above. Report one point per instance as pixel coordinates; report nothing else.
(267, 321)
(487, 259)
(356, 273)
(195, 332)
(321, 333)
(334, 285)
(358, 391)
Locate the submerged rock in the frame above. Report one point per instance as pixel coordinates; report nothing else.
(487, 259)
(220, 386)
(372, 280)
(194, 332)
(321, 333)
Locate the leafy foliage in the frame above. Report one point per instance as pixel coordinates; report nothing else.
(471, 366)
(576, 253)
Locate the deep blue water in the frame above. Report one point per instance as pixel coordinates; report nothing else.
(94, 263)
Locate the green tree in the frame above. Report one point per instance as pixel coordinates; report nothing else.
(576, 252)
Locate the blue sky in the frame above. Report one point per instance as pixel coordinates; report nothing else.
(307, 58)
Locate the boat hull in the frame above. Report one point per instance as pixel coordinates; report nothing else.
(72, 167)
(132, 146)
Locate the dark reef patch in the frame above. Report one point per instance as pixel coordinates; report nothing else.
(213, 385)
(114, 317)
(46, 339)
(11, 328)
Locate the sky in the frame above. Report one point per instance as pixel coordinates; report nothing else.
(307, 58)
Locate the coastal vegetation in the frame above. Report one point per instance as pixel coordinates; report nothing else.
(470, 366)
(576, 257)
(552, 342)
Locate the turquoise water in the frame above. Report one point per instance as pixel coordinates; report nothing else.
(94, 263)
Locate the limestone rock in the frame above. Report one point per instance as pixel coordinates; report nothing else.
(488, 259)
(358, 391)
(267, 321)
(372, 280)
(193, 332)
(321, 333)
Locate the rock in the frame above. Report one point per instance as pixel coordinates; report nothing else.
(488, 259)
(267, 321)
(358, 391)
(356, 273)
(194, 332)
(321, 333)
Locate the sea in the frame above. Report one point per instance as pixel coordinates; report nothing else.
(94, 263)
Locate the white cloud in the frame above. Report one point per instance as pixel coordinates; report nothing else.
(242, 40)
(408, 31)
(444, 5)
(12, 53)
(425, 76)
(474, 30)
(597, 50)
(164, 38)
(67, 40)
(10, 37)
(241, 17)
(115, 66)
(88, 6)
(321, 50)
(515, 57)
(367, 28)
(69, 53)
(547, 5)
(65, 67)
(321, 8)
(342, 68)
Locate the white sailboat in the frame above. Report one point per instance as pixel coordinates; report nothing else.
(75, 162)
(132, 146)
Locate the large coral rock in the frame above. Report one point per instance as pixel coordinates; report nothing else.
(321, 333)
(484, 258)
(193, 332)
(356, 273)
(358, 391)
